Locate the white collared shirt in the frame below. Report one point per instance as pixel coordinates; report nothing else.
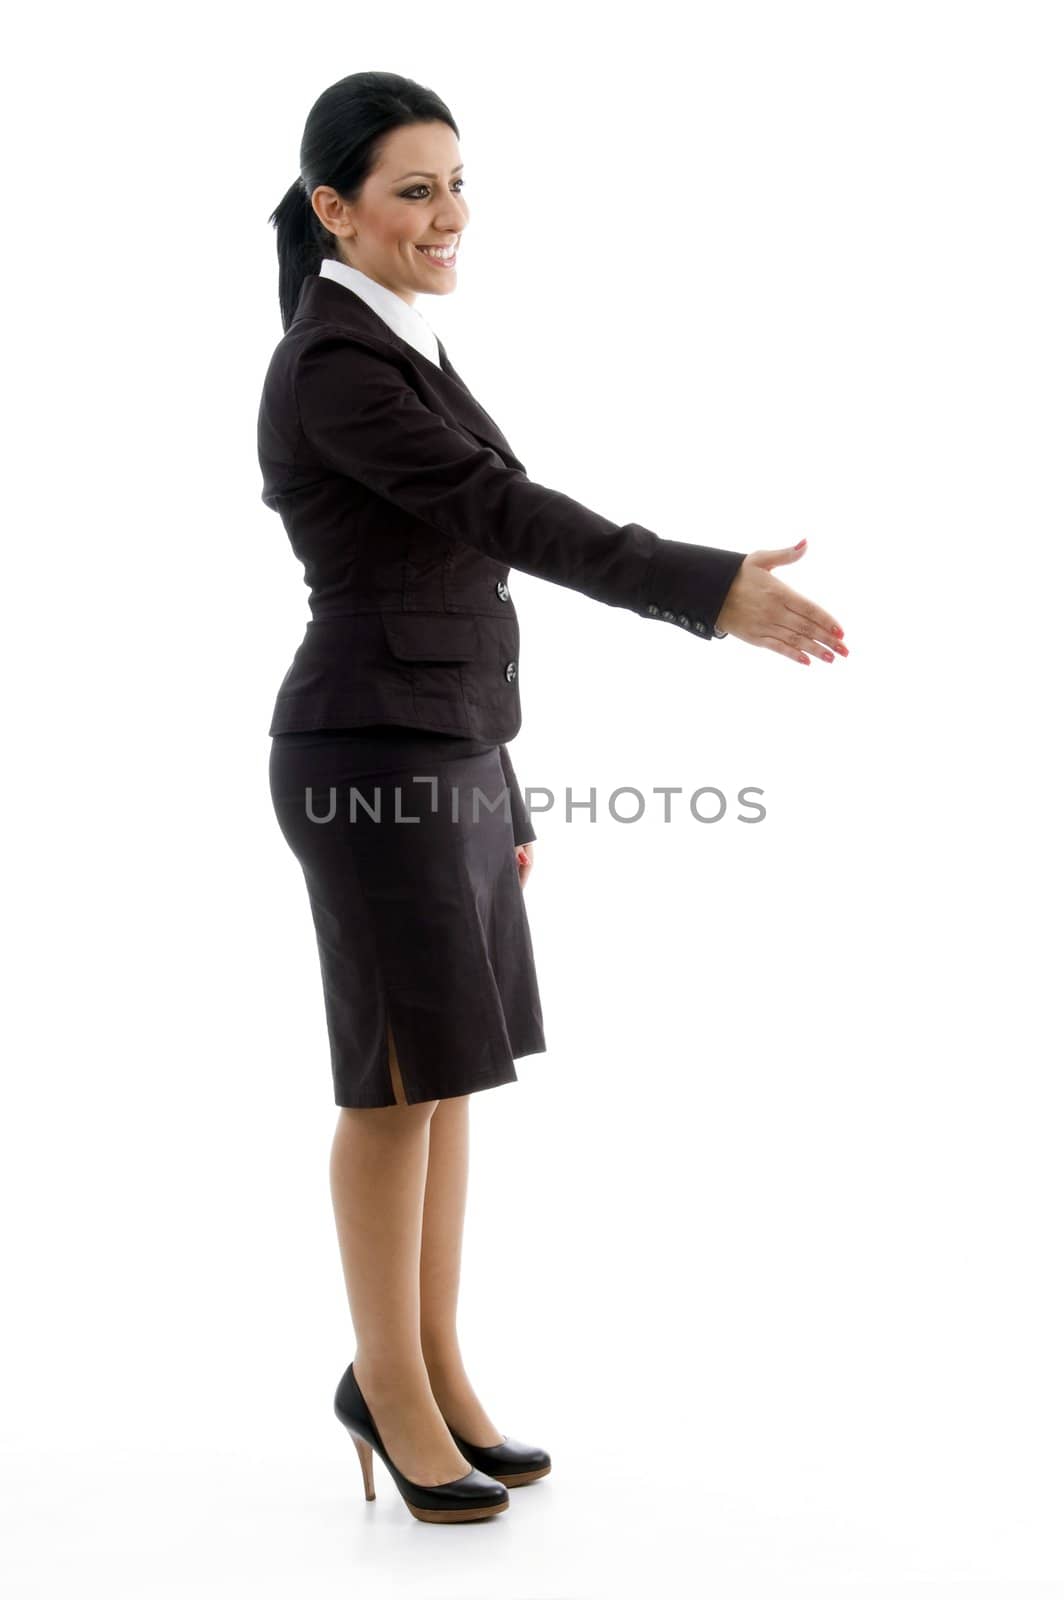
(402, 318)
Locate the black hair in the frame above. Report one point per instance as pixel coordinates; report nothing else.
(340, 147)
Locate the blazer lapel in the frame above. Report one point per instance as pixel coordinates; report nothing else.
(325, 300)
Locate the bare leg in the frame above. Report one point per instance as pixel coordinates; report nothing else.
(441, 1255)
(377, 1172)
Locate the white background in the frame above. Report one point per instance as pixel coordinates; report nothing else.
(766, 1247)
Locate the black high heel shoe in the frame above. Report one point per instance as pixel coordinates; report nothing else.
(510, 1461)
(462, 1500)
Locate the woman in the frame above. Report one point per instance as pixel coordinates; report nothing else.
(389, 771)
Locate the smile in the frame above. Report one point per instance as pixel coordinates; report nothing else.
(440, 255)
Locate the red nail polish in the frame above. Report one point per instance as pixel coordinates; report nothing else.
(800, 543)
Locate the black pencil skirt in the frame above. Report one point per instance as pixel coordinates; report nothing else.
(407, 842)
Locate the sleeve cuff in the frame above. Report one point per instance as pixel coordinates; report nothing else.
(687, 585)
(519, 818)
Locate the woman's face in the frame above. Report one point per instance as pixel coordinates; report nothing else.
(412, 199)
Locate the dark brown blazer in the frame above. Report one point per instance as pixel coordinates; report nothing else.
(408, 508)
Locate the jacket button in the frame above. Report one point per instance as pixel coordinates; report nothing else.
(700, 627)
(511, 671)
(669, 616)
(502, 591)
(653, 610)
(685, 622)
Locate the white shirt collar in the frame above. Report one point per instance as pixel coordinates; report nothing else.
(402, 318)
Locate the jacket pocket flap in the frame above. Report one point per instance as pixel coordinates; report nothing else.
(430, 636)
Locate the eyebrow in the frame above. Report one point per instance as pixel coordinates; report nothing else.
(458, 168)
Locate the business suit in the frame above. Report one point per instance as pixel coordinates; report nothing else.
(407, 507)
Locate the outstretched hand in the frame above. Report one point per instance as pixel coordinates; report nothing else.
(762, 610)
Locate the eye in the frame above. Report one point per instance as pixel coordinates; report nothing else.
(412, 194)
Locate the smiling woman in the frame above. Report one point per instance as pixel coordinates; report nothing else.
(404, 235)
(407, 506)
(404, 678)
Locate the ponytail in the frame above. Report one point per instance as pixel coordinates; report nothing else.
(299, 246)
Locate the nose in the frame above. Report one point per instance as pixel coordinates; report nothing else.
(453, 219)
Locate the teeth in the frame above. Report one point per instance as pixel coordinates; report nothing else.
(438, 250)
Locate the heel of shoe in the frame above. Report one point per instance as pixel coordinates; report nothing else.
(365, 1457)
(474, 1495)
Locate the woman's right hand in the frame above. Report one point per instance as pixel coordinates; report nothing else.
(762, 610)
